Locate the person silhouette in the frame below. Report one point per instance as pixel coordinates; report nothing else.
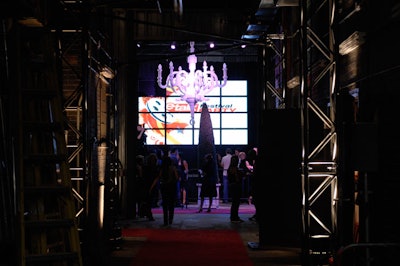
(183, 170)
(141, 140)
(235, 176)
(209, 181)
(167, 177)
(225, 162)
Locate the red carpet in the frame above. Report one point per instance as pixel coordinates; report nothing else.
(189, 247)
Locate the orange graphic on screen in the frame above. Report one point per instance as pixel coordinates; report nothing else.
(155, 118)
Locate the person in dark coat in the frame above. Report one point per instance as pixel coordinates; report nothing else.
(150, 172)
(209, 181)
(235, 176)
(167, 177)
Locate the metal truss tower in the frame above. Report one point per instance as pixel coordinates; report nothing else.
(306, 79)
(86, 74)
(319, 136)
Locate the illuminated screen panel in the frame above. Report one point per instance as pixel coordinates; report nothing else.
(179, 137)
(152, 104)
(167, 119)
(234, 120)
(177, 105)
(233, 104)
(235, 88)
(234, 136)
(155, 136)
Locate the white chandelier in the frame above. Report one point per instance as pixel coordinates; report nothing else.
(192, 85)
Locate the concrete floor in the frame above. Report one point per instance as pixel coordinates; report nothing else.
(248, 230)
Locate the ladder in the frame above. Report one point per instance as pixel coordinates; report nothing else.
(48, 227)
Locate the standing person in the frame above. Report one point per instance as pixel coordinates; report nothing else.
(235, 176)
(141, 140)
(150, 173)
(168, 176)
(209, 182)
(183, 170)
(242, 160)
(174, 154)
(244, 170)
(219, 158)
(237, 151)
(225, 162)
(251, 165)
(140, 193)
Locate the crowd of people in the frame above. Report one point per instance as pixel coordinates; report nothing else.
(162, 180)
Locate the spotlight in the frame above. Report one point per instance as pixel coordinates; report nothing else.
(212, 45)
(173, 46)
(107, 72)
(251, 37)
(352, 42)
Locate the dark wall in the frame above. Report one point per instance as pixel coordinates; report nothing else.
(279, 179)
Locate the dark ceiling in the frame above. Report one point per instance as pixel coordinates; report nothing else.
(156, 23)
(210, 18)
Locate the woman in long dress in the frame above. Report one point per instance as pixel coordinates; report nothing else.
(209, 181)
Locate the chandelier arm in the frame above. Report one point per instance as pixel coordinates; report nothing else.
(159, 78)
(162, 86)
(212, 82)
(179, 76)
(224, 75)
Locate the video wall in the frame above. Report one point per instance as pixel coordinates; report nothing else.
(167, 118)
